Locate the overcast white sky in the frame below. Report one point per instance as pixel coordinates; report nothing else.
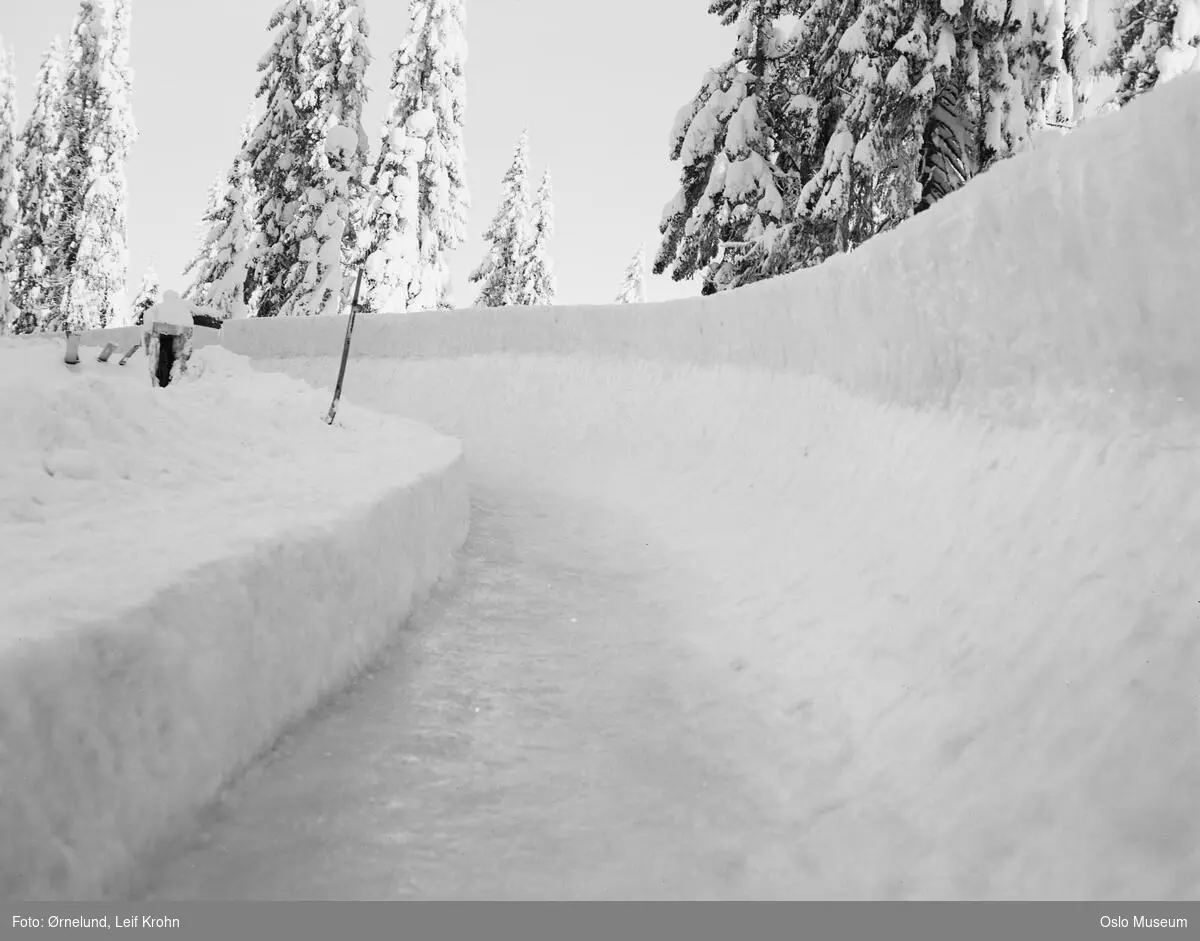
(597, 85)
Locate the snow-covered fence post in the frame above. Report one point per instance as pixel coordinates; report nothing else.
(167, 334)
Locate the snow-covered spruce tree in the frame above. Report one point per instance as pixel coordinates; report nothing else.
(194, 292)
(91, 257)
(854, 80)
(500, 275)
(903, 103)
(1082, 60)
(389, 234)
(338, 61)
(9, 188)
(1025, 66)
(728, 142)
(864, 182)
(149, 293)
(279, 155)
(428, 104)
(96, 294)
(336, 58)
(318, 286)
(1156, 41)
(633, 290)
(538, 287)
(227, 242)
(800, 90)
(949, 155)
(40, 194)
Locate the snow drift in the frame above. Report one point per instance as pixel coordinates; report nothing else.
(937, 501)
(185, 571)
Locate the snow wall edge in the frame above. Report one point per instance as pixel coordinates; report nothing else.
(125, 337)
(1059, 278)
(175, 697)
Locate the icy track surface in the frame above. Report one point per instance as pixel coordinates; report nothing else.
(726, 634)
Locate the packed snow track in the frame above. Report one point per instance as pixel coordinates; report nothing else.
(877, 581)
(723, 634)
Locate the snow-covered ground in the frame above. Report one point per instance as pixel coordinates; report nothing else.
(877, 581)
(185, 570)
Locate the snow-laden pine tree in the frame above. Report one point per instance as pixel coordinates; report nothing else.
(633, 289)
(337, 61)
(278, 154)
(865, 181)
(892, 105)
(500, 275)
(40, 194)
(320, 284)
(336, 58)
(212, 206)
(227, 242)
(9, 188)
(1156, 41)
(974, 81)
(1082, 61)
(391, 246)
(538, 287)
(92, 256)
(148, 294)
(804, 88)
(728, 144)
(428, 105)
(949, 151)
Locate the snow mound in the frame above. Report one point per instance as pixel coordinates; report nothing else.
(186, 570)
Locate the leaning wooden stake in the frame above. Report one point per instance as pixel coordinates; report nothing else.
(337, 390)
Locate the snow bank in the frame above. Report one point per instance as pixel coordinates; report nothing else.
(956, 582)
(125, 337)
(185, 571)
(1055, 281)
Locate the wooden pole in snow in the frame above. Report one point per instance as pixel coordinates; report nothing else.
(337, 390)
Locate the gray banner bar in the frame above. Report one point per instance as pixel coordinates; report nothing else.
(563, 921)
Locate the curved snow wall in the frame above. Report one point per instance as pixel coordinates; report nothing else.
(115, 733)
(1057, 280)
(968, 625)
